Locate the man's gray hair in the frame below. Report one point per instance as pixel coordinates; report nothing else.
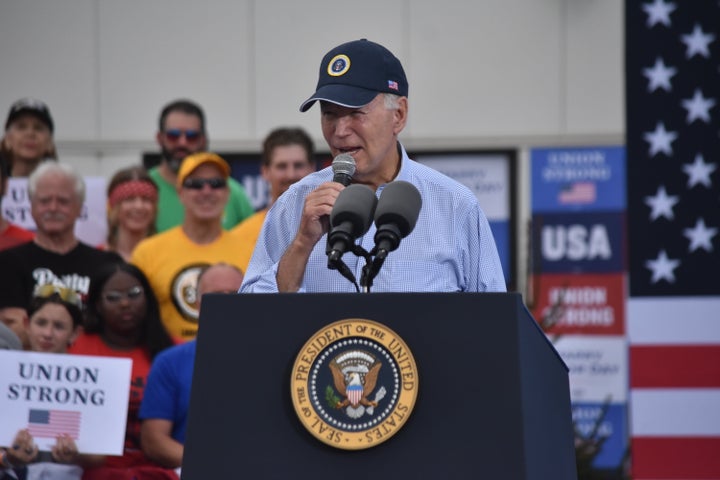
(392, 101)
(51, 167)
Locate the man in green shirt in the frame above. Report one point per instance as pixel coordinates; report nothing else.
(181, 132)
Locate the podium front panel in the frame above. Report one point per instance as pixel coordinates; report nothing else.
(470, 419)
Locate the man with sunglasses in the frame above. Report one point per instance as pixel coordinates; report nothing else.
(172, 260)
(181, 132)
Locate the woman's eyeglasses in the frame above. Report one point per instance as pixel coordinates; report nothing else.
(199, 183)
(174, 134)
(114, 296)
(65, 294)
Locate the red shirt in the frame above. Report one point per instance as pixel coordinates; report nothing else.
(92, 344)
(14, 235)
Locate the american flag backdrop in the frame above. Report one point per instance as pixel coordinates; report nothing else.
(673, 194)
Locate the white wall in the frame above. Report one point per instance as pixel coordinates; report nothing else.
(482, 73)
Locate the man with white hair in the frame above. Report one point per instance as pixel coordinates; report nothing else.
(55, 256)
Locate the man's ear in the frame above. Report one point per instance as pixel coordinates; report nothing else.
(264, 171)
(400, 115)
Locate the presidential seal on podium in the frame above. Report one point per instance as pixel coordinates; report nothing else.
(354, 384)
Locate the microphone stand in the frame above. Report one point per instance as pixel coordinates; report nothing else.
(373, 262)
(371, 268)
(339, 265)
(359, 251)
(369, 271)
(387, 239)
(335, 263)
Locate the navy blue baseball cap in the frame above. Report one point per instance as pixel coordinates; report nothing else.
(352, 74)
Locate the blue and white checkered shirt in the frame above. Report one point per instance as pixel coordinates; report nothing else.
(451, 248)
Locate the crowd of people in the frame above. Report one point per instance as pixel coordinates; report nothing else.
(170, 238)
(186, 228)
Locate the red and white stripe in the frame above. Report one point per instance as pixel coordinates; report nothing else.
(675, 387)
(59, 422)
(354, 395)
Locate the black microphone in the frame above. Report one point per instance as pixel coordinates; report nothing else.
(343, 167)
(350, 218)
(395, 217)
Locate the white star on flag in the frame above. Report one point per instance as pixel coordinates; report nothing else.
(660, 140)
(700, 236)
(698, 107)
(661, 204)
(697, 42)
(658, 12)
(659, 76)
(662, 267)
(699, 172)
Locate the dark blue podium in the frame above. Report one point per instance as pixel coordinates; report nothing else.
(493, 398)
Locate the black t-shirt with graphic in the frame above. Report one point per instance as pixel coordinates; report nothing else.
(28, 265)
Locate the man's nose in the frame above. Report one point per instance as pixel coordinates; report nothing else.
(342, 125)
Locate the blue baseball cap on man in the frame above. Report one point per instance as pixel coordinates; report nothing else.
(352, 74)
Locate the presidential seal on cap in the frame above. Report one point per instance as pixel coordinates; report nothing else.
(354, 384)
(352, 74)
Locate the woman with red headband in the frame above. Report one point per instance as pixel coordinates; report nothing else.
(132, 207)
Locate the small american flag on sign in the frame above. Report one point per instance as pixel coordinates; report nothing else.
(578, 193)
(51, 423)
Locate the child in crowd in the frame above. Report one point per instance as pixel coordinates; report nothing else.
(55, 320)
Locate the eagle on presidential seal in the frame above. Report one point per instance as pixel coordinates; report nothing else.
(355, 375)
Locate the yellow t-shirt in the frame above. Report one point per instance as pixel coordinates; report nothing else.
(246, 235)
(172, 262)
